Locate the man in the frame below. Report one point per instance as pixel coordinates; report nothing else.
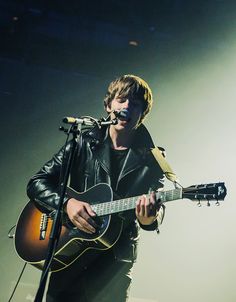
(122, 158)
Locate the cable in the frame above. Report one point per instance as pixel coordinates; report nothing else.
(13, 292)
(11, 236)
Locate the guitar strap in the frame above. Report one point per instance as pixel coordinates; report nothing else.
(166, 168)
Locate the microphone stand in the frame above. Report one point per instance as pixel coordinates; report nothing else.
(75, 129)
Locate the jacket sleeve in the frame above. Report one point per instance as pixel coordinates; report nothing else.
(44, 187)
(161, 212)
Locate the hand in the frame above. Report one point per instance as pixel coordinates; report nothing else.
(80, 214)
(147, 209)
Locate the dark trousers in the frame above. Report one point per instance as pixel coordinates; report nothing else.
(105, 279)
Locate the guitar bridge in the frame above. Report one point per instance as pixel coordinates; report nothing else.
(43, 226)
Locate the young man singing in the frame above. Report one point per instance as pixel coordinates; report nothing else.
(121, 158)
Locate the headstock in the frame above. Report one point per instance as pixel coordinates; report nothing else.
(208, 192)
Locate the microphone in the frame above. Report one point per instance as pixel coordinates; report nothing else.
(123, 115)
(81, 120)
(88, 121)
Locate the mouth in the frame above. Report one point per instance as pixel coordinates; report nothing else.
(123, 121)
(123, 115)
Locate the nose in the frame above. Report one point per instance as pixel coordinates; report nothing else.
(126, 104)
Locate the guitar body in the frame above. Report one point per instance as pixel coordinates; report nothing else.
(34, 227)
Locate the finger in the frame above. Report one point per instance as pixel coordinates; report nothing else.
(93, 223)
(84, 222)
(80, 226)
(142, 206)
(157, 202)
(137, 209)
(86, 213)
(152, 197)
(146, 206)
(138, 203)
(153, 204)
(82, 213)
(89, 210)
(86, 226)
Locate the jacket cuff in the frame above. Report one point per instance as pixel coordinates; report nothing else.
(149, 227)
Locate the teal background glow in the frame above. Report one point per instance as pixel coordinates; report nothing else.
(192, 75)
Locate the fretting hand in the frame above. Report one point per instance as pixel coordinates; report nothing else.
(147, 208)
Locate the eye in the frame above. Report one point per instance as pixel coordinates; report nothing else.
(120, 100)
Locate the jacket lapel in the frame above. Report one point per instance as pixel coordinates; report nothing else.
(132, 162)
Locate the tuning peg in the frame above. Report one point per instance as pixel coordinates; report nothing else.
(199, 203)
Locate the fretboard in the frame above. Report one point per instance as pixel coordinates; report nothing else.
(121, 205)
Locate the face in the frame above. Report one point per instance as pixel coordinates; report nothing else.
(135, 108)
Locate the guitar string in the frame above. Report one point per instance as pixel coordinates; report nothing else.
(118, 205)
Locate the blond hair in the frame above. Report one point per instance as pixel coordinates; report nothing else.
(130, 86)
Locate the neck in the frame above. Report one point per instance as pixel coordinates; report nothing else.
(121, 139)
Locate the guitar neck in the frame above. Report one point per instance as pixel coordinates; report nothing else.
(121, 205)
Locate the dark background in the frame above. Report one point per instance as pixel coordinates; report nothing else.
(57, 58)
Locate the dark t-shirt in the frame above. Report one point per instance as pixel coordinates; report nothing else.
(117, 161)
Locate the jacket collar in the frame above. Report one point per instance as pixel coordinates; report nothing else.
(134, 158)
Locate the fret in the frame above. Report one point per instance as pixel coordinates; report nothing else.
(120, 205)
(172, 195)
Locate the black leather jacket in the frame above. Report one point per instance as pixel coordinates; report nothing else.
(91, 165)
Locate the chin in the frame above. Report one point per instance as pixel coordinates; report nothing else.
(124, 126)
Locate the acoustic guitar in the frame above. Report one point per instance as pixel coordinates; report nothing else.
(33, 227)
